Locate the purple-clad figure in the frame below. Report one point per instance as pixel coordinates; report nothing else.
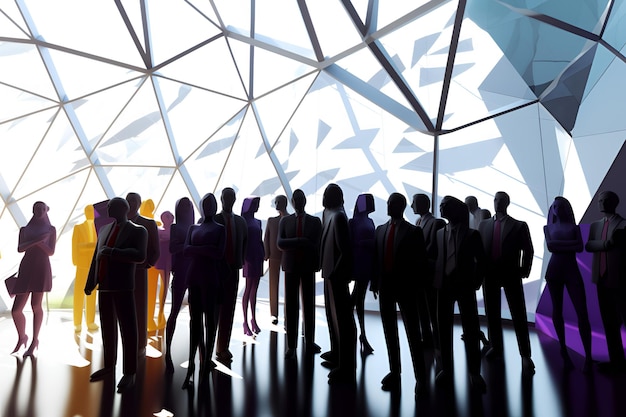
(564, 239)
(178, 233)
(164, 263)
(37, 240)
(253, 263)
(204, 247)
(362, 232)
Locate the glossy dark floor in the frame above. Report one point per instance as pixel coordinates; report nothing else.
(260, 382)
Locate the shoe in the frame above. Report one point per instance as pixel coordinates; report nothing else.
(224, 356)
(246, 330)
(188, 382)
(100, 374)
(312, 348)
(21, 342)
(290, 353)
(390, 382)
(255, 327)
(528, 367)
(274, 320)
(92, 326)
(329, 365)
(366, 348)
(477, 383)
(32, 349)
(329, 356)
(126, 382)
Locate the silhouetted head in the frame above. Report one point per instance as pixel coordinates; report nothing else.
(501, 201)
(90, 212)
(250, 205)
(184, 212)
(280, 202)
(472, 203)
(608, 202)
(118, 209)
(560, 211)
(228, 199)
(333, 197)
(364, 204)
(396, 203)
(40, 209)
(454, 210)
(298, 201)
(134, 201)
(167, 218)
(420, 204)
(209, 207)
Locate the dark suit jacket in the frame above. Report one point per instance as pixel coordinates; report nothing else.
(469, 271)
(336, 247)
(300, 254)
(516, 249)
(129, 250)
(154, 248)
(614, 248)
(241, 237)
(409, 258)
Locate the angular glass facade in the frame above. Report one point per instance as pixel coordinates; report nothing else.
(180, 98)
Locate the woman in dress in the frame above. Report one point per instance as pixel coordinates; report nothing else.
(564, 239)
(37, 240)
(253, 263)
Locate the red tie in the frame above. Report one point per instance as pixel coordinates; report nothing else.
(391, 235)
(495, 242)
(605, 230)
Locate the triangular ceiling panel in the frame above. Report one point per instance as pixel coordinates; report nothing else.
(16, 103)
(272, 71)
(11, 23)
(14, 57)
(132, 10)
(149, 182)
(334, 29)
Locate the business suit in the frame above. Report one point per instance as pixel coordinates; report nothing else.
(427, 294)
(116, 285)
(505, 270)
(611, 283)
(459, 273)
(274, 256)
(141, 278)
(399, 273)
(236, 230)
(336, 264)
(300, 261)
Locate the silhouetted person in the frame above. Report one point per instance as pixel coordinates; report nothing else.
(273, 254)
(564, 239)
(458, 274)
(476, 214)
(427, 295)
(204, 248)
(362, 232)
(509, 251)
(299, 240)
(236, 231)
(336, 262)
(180, 264)
(400, 263)
(146, 210)
(84, 239)
(141, 273)
(37, 240)
(606, 242)
(253, 263)
(164, 264)
(122, 245)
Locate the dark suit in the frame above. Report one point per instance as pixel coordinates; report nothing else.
(336, 262)
(427, 294)
(234, 257)
(611, 283)
(506, 271)
(400, 266)
(274, 256)
(115, 277)
(141, 278)
(458, 274)
(300, 261)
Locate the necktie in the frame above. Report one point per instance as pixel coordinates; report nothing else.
(495, 242)
(451, 255)
(605, 230)
(391, 235)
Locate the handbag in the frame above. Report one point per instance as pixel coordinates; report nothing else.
(10, 284)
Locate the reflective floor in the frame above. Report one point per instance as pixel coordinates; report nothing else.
(260, 382)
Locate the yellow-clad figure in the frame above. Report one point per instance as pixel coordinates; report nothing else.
(147, 210)
(83, 245)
